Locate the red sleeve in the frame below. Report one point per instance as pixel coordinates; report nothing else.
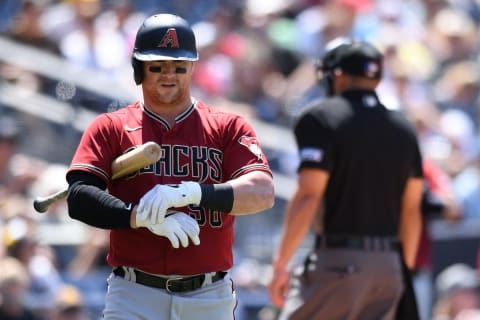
(95, 153)
(243, 152)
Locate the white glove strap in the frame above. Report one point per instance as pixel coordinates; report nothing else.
(191, 192)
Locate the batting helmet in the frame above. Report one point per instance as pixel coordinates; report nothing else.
(350, 57)
(163, 37)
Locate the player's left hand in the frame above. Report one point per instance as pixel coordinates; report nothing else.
(178, 227)
(154, 204)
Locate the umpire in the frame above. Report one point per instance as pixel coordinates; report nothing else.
(359, 186)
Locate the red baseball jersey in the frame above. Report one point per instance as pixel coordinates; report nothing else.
(204, 145)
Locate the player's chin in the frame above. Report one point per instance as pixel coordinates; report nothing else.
(168, 90)
(168, 97)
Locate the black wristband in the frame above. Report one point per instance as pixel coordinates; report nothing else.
(217, 197)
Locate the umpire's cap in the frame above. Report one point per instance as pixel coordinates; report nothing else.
(165, 37)
(352, 57)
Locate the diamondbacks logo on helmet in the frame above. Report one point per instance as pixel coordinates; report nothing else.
(169, 39)
(252, 144)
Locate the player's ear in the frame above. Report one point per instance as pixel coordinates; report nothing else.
(138, 72)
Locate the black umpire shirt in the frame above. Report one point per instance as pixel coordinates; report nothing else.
(369, 151)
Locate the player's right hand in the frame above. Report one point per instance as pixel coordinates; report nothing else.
(178, 227)
(152, 208)
(155, 203)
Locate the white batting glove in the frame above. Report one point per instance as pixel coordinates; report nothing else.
(155, 203)
(178, 227)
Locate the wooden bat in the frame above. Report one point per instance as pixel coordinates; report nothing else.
(122, 166)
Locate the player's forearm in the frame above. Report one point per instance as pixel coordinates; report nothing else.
(97, 208)
(88, 202)
(248, 194)
(253, 192)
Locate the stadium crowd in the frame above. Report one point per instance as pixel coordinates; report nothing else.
(256, 59)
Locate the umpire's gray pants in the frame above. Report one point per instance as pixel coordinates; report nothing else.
(345, 284)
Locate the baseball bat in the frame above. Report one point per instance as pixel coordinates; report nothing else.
(127, 163)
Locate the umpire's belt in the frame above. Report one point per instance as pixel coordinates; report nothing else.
(368, 243)
(171, 284)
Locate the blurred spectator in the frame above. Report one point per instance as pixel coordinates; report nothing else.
(90, 255)
(9, 135)
(18, 76)
(26, 26)
(214, 71)
(459, 131)
(7, 11)
(438, 202)
(17, 171)
(457, 288)
(86, 269)
(467, 188)
(468, 314)
(458, 88)
(69, 305)
(39, 263)
(452, 36)
(192, 10)
(64, 17)
(14, 282)
(94, 45)
(120, 17)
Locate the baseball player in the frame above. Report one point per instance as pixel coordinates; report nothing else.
(212, 168)
(359, 188)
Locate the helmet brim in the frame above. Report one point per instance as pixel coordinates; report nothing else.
(156, 55)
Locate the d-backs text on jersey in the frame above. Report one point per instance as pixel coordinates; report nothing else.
(197, 162)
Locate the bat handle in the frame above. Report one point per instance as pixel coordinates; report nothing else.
(41, 204)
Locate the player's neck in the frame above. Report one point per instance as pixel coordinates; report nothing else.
(168, 110)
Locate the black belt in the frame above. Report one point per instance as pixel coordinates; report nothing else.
(173, 284)
(368, 243)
